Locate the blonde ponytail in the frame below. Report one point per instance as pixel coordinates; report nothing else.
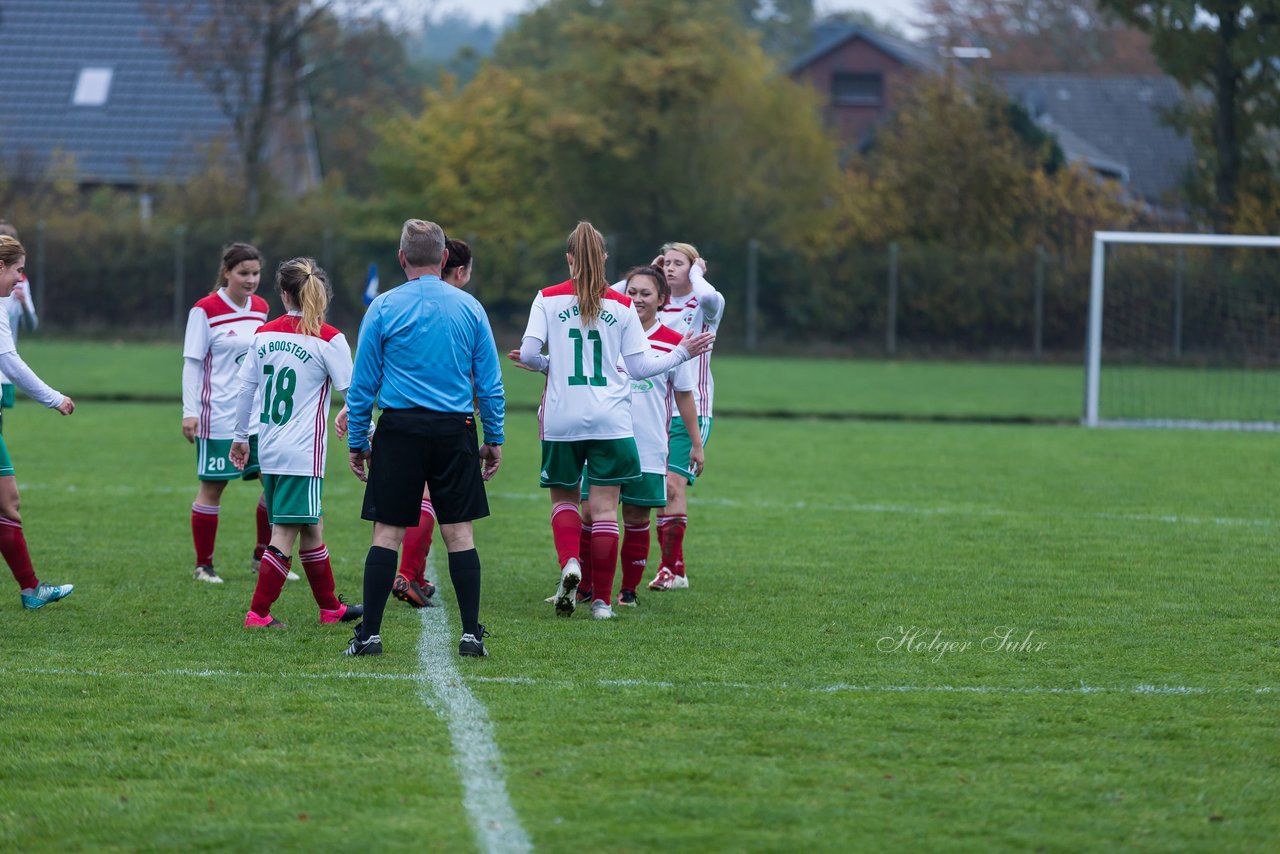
(586, 245)
(308, 288)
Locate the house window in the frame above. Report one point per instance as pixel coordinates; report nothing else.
(857, 88)
(92, 87)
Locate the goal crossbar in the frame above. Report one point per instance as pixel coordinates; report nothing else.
(1093, 346)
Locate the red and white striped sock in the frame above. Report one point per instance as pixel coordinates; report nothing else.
(673, 528)
(566, 527)
(417, 543)
(604, 558)
(315, 563)
(13, 545)
(635, 554)
(264, 529)
(204, 531)
(271, 577)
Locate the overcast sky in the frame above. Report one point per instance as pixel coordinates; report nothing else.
(900, 12)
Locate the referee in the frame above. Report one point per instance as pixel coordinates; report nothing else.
(425, 353)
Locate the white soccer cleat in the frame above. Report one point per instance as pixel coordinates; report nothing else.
(679, 582)
(204, 572)
(570, 578)
(601, 610)
(663, 580)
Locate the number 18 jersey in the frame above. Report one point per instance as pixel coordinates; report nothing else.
(586, 396)
(295, 373)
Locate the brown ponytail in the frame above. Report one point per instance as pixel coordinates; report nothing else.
(308, 289)
(586, 245)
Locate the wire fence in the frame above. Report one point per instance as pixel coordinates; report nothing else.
(888, 301)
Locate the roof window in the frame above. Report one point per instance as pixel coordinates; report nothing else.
(92, 87)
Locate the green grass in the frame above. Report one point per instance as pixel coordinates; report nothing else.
(756, 711)
(743, 384)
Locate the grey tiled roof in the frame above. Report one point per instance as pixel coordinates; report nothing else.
(155, 124)
(829, 37)
(1116, 118)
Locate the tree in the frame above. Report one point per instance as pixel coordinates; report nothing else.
(1041, 35)
(1226, 49)
(248, 54)
(680, 123)
(785, 26)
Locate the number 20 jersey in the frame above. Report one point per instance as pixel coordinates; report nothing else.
(295, 374)
(586, 396)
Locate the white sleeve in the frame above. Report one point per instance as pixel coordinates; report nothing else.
(25, 378)
(192, 379)
(649, 364)
(337, 361)
(710, 300)
(620, 287)
(537, 327)
(531, 355)
(196, 342)
(248, 393)
(686, 376)
(633, 338)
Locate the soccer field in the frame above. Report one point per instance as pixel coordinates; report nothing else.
(948, 637)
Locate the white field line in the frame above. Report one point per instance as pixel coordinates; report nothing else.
(765, 504)
(475, 751)
(1145, 688)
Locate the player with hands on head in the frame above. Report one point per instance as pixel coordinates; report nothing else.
(585, 418)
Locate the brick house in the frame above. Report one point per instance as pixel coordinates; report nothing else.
(860, 72)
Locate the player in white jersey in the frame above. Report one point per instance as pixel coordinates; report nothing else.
(585, 417)
(695, 306)
(13, 543)
(219, 329)
(21, 308)
(651, 406)
(291, 367)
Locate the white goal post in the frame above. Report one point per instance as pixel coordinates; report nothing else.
(1094, 343)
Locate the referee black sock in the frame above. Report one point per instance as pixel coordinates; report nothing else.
(379, 573)
(464, 572)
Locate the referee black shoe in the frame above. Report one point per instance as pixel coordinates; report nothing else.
(472, 645)
(371, 645)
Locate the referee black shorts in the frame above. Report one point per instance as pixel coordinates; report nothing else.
(416, 446)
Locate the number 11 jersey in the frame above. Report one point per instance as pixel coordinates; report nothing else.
(295, 373)
(586, 396)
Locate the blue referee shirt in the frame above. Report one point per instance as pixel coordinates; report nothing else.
(421, 345)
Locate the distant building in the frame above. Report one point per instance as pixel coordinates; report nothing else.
(1112, 124)
(860, 73)
(91, 80)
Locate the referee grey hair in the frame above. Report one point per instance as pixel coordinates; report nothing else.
(422, 243)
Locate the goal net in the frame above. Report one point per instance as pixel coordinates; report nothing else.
(1184, 331)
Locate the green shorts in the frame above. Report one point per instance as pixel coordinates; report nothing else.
(649, 491)
(6, 464)
(679, 447)
(7, 396)
(293, 499)
(611, 461)
(213, 460)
